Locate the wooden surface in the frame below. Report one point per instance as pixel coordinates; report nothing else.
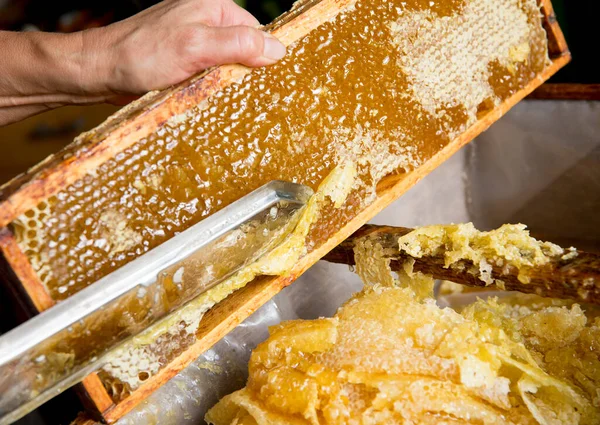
(557, 45)
(146, 115)
(93, 396)
(26, 278)
(567, 92)
(84, 419)
(577, 278)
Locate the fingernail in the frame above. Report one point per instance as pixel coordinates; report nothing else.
(273, 49)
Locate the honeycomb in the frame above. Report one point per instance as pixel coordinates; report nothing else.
(507, 247)
(138, 359)
(390, 355)
(384, 85)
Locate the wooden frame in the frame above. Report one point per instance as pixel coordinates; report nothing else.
(144, 116)
(566, 91)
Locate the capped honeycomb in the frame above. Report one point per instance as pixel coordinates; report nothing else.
(384, 85)
(509, 246)
(390, 355)
(387, 357)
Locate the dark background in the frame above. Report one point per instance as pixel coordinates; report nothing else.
(578, 20)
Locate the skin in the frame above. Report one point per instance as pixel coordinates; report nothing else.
(159, 47)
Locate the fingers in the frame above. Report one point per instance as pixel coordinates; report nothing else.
(239, 44)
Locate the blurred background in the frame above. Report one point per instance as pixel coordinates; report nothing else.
(24, 144)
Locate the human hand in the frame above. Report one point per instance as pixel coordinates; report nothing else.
(172, 41)
(157, 48)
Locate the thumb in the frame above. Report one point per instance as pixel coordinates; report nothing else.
(241, 44)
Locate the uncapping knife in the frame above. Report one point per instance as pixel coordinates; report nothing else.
(59, 347)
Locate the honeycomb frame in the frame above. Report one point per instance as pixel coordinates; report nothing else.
(141, 118)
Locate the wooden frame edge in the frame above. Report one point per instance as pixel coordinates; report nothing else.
(94, 396)
(566, 91)
(557, 45)
(26, 277)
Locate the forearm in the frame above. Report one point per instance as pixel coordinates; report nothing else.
(45, 70)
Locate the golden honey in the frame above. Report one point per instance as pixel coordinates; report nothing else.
(387, 357)
(385, 84)
(391, 356)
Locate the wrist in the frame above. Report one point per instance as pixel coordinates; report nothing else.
(97, 62)
(59, 69)
(50, 69)
(73, 65)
